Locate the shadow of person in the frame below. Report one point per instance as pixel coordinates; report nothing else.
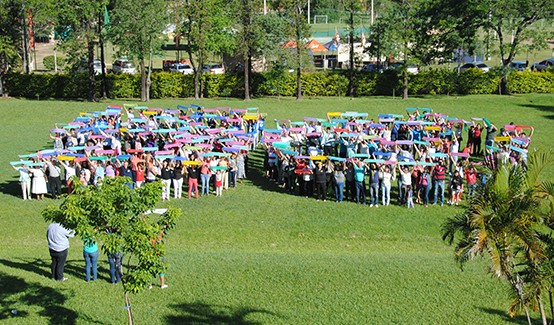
(201, 313)
(75, 267)
(18, 297)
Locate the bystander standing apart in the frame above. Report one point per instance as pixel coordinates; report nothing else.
(58, 244)
(90, 253)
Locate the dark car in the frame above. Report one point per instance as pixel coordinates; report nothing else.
(543, 65)
(518, 65)
(372, 67)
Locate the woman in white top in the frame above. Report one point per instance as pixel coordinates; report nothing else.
(38, 186)
(387, 178)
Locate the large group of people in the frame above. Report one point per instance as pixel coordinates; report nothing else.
(429, 156)
(187, 146)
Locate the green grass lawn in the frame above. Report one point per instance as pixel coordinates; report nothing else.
(258, 255)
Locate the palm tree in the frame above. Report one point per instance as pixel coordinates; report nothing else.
(501, 222)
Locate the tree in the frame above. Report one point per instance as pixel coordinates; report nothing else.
(423, 31)
(501, 222)
(77, 23)
(8, 54)
(299, 30)
(352, 6)
(117, 216)
(135, 27)
(245, 11)
(199, 17)
(516, 17)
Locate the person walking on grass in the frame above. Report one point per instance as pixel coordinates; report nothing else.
(58, 244)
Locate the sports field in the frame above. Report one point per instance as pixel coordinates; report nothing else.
(257, 255)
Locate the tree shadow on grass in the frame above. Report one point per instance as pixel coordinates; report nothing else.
(200, 313)
(17, 292)
(549, 109)
(519, 319)
(12, 188)
(256, 172)
(73, 268)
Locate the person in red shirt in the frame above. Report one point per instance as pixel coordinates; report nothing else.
(471, 180)
(439, 175)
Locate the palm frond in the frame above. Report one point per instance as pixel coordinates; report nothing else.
(538, 162)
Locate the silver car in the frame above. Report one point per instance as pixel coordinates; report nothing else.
(124, 66)
(181, 68)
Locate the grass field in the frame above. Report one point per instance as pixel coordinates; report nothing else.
(257, 255)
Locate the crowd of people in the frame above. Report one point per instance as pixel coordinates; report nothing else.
(193, 146)
(431, 157)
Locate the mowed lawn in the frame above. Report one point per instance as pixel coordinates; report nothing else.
(257, 255)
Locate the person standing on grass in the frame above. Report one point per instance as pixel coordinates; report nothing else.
(25, 180)
(177, 179)
(90, 253)
(193, 172)
(340, 177)
(241, 166)
(205, 175)
(53, 177)
(359, 177)
(374, 185)
(471, 179)
(320, 182)
(58, 244)
(439, 175)
(38, 185)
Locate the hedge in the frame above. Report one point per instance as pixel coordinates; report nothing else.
(273, 83)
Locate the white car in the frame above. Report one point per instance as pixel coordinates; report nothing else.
(213, 68)
(124, 66)
(82, 67)
(181, 68)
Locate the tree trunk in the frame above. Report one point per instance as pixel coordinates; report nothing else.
(148, 78)
(351, 43)
(551, 304)
(2, 87)
(246, 69)
(103, 91)
(541, 308)
(91, 73)
(128, 307)
(143, 81)
(405, 83)
(298, 72)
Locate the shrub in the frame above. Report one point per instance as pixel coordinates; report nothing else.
(526, 82)
(48, 62)
(123, 85)
(477, 82)
(280, 82)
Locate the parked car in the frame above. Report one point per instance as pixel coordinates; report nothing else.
(213, 68)
(124, 66)
(518, 65)
(411, 68)
(543, 65)
(372, 67)
(82, 67)
(473, 65)
(181, 68)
